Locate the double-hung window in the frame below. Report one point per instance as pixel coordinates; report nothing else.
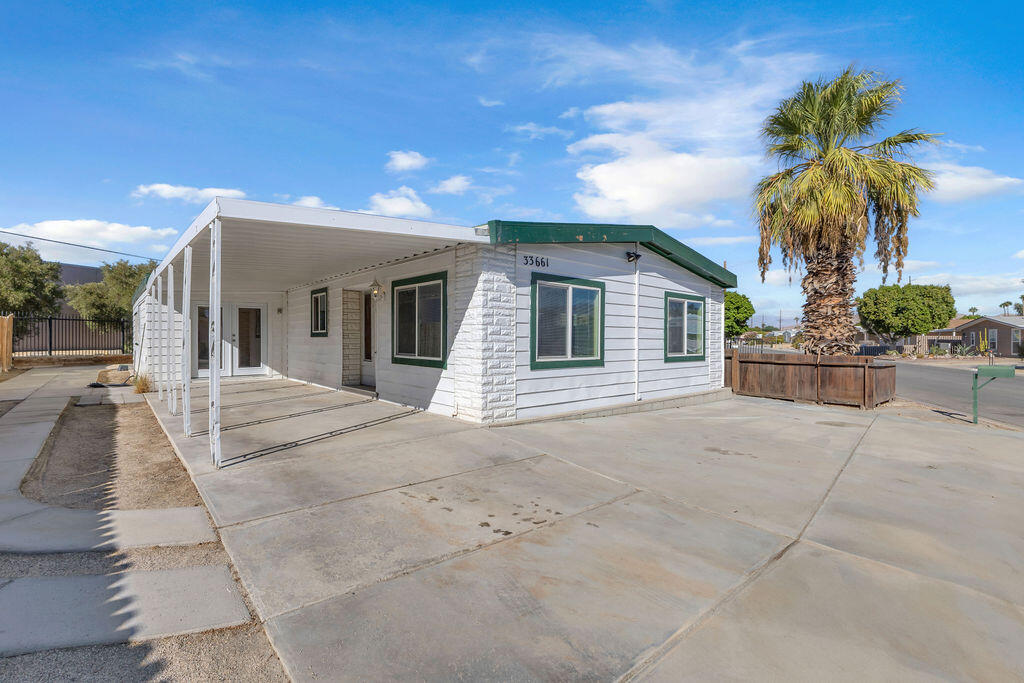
(566, 322)
(685, 327)
(1015, 343)
(419, 308)
(318, 313)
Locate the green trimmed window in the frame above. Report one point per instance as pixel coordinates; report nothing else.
(419, 315)
(685, 327)
(566, 322)
(318, 313)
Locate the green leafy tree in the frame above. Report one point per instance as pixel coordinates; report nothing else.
(738, 310)
(28, 284)
(894, 311)
(838, 185)
(111, 298)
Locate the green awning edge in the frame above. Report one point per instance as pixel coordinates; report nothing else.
(525, 232)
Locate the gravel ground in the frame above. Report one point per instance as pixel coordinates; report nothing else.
(109, 457)
(117, 457)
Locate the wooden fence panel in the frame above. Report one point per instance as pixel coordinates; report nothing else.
(6, 342)
(843, 380)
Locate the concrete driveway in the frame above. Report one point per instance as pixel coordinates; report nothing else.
(740, 539)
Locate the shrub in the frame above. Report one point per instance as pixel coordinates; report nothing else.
(142, 384)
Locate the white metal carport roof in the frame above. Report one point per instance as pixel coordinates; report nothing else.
(275, 247)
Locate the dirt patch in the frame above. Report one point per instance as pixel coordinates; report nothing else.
(113, 376)
(109, 457)
(232, 654)
(13, 372)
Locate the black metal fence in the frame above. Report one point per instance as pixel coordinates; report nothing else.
(751, 345)
(49, 336)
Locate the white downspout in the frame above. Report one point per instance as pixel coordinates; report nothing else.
(636, 322)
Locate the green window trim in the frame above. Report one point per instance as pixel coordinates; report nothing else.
(683, 357)
(542, 364)
(314, 330)
(442, 362)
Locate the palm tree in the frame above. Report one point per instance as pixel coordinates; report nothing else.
(1006, 307)
(837, 187)
(973, 310)
(1019, 308)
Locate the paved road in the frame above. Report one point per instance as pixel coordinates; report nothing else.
(1002, 400)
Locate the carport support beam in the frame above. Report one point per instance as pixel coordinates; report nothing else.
(174, 367)
(215, 342)
(158, 342)
(186, 342)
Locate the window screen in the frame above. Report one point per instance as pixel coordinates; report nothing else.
(567, 320)
(694, 328)
(419, 309)
(318, 313)
(676, 325)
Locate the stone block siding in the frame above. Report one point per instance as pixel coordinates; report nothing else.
(351, 343)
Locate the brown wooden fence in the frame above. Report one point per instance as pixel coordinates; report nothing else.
(6, 342)
(844, 380)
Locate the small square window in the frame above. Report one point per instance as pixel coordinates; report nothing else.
(685, 334)
(318, 313)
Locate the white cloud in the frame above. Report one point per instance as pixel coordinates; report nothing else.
(401, 202)
(964, 285)
(94, 233)
(534, 131)
(193, 195)
(457, 184)
(725, 240)
(956, 183)
(408, 160)
(484, 102)
(314, 202)
(647, 182)
(781, 278)
(1019, 254)
(570, 113)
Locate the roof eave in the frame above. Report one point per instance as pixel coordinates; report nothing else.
(515, 232)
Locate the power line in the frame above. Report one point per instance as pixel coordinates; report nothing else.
(72, 244)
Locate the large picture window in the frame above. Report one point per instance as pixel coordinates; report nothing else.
(419, 316)
(685, 327)
(318, 313)
(566, 322)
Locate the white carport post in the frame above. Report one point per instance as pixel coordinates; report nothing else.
(186, 342)
(158, 329)
(215, 342)
(170, 342)
(165, 346)
(149, 332)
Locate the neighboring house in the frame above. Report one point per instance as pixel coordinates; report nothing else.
(944, 338)
(72, 274)
(864, 337)
(1002, 332)
(789, 332)
(504, 321)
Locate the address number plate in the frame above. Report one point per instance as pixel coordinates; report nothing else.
(535, 261)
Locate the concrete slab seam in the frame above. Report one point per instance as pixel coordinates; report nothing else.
(662, 650)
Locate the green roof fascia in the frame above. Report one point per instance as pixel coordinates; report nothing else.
(522, 232)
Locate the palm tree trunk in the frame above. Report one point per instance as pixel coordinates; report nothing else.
(828, 294)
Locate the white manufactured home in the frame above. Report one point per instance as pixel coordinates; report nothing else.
(500, 322)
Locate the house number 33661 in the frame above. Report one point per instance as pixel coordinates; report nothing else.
(536, 261)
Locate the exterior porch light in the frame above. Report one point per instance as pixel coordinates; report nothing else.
(376, 290)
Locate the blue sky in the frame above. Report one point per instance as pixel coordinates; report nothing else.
(121, 121)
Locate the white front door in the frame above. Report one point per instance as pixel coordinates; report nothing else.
(367, 375)
(243, 349)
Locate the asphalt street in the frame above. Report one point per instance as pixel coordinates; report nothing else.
(1002, 400)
